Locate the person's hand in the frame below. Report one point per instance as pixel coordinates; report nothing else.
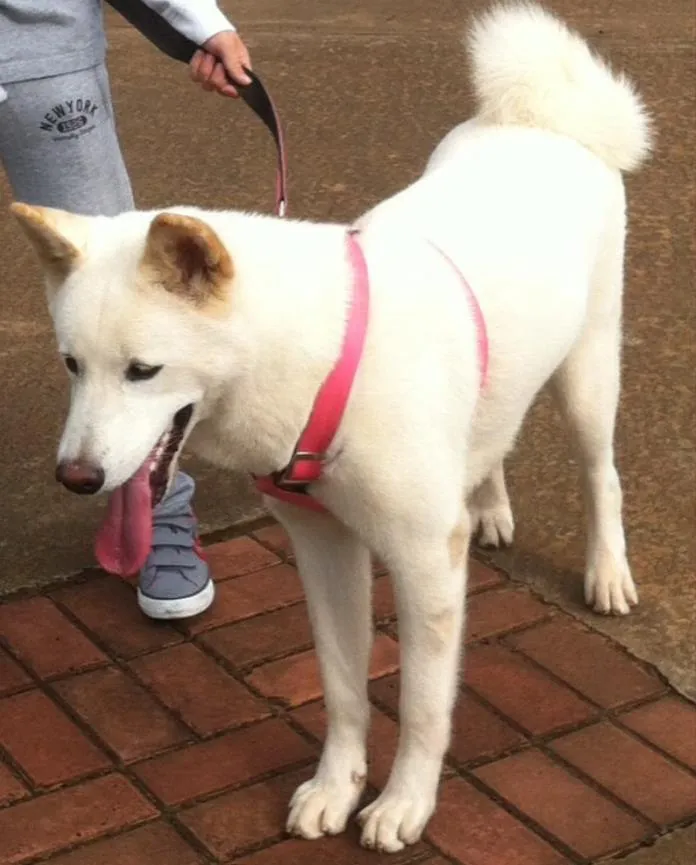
(220, 62)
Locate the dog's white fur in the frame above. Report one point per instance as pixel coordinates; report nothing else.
(528, 200)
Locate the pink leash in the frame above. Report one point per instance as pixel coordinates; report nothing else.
(173, 43)
(259, 100)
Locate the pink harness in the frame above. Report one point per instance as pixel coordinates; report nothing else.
(309, 457)
(306, 465)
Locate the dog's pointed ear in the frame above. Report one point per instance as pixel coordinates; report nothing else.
(57, 236)
(186, 256)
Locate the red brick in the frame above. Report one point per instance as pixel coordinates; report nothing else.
(386, 692)
(123, 714)
(11, 788)
(631, 771)
(383, 604)
(340, 850)
(44, 741)
(76, 814)
(45, 639)
(250, 595)
(154, 844)
(225, 762)
(276, 538)
(472, 828)
(191, 684)
(378, 569)
(669, 724)
(481, 577)
(262, 638)
(296, 679)
(238, 557)
(566, 807)
(312, 716)
(522, 692)
(236, 821)
(108, 608)
(381, 744)
(587, 661)
(493, 613)
(477, 731)
(12, 676)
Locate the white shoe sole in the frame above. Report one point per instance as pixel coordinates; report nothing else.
(177, 608)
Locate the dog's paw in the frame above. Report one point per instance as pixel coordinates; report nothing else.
(394, 820)
(322, 807)
(609, 586)
(493, 526)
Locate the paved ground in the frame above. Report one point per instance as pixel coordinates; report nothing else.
(124, 742)
(366, 91)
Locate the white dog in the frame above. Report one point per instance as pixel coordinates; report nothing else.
(219, 328)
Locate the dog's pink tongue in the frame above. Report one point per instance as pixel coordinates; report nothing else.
(124, 540)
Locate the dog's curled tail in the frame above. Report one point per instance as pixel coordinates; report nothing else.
(529, 69)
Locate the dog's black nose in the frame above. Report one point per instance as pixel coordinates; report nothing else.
(81, 477)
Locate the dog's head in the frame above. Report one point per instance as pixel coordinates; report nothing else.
(138, 303)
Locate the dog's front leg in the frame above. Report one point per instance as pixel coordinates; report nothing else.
(429, 572)
(336, 573)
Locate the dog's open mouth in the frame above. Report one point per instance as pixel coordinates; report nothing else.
(160, 462)
(125, 538)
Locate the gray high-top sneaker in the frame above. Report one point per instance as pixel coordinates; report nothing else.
(175, 581)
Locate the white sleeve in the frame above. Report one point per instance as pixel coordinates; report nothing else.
(196, 19)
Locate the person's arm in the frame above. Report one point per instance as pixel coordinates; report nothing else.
(199, 20)
(222, 56)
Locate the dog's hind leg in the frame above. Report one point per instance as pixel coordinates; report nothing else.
(587, 385)
(336, 572)
(492, 523)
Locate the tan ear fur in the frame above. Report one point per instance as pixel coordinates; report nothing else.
(50, 231)
(186, 257)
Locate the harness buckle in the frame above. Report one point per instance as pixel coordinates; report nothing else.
(284, 480)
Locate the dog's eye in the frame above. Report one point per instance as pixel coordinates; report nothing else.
(141, 372)
(71, 364)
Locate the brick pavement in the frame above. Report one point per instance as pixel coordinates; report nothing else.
(127, 742)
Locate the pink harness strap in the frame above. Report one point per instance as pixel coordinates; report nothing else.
(307, 462)
(477, 314)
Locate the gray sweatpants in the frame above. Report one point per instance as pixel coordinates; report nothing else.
(58, 144)
(59, 147)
